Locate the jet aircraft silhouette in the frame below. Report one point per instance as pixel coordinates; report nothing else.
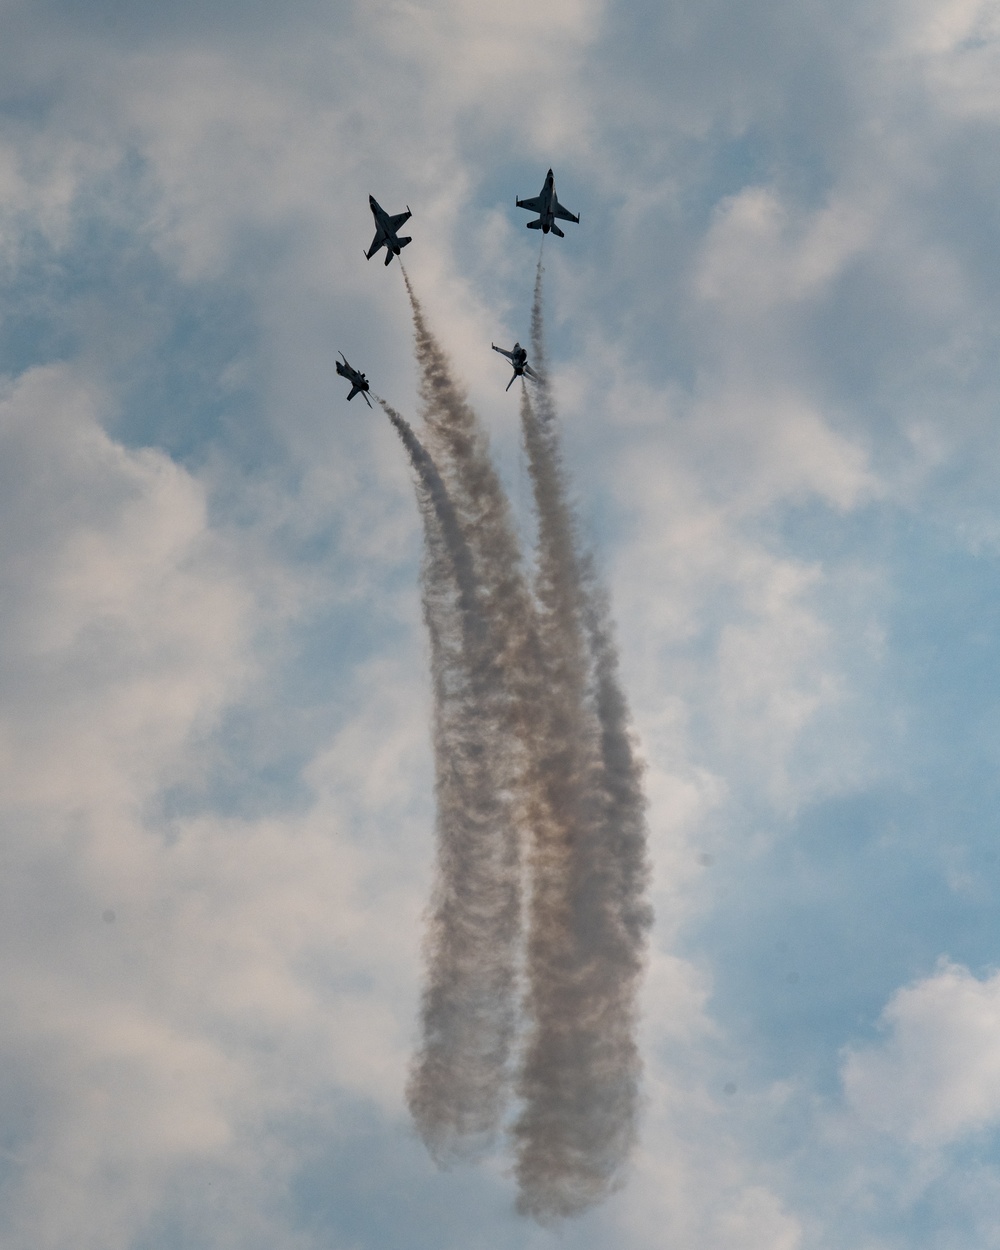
(386, 231)
(358, 381)
(518, 358)
(548, 208)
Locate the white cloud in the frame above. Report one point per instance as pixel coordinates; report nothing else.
(170, 986)
(260, 960)
(124, 628)
(743, 635)
(757, 255)
(935, 1077)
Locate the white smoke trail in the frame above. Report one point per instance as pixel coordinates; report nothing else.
(541, 674)
(460, 1076)
(589, 915)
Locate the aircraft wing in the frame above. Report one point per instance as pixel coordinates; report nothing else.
(564, 213)
(377, 242)
(359, 390)
(398, 220)
(536, 205)
(509, 355)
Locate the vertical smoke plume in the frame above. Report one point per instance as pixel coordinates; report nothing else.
(459, 1080)
(623, 802)
(441, 523)
(589, 916)
(527, 692)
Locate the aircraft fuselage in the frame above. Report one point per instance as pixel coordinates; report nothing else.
(387, 231)
(548, 208)
(359, 383)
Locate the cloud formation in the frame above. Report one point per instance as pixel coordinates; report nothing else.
(936, 1077)
(777, 332)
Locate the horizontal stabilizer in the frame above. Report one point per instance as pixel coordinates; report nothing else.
(510, 383)
(403, 242)
(555, 230)
(535, 225)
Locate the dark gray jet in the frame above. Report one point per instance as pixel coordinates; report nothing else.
(548, 209)
(358, 381)
(385, 231)
(518, 357)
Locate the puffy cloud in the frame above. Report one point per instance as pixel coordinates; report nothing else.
(755, 257)
(936, 1076)
(213, 696)
(121, 636)
(172, 983)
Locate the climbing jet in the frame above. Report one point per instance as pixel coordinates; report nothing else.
(548, 209)
(518, 357)
(358, 381)
(386, 228)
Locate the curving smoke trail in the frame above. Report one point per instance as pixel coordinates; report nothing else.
(589, 915)
(444, 527)
(459, 1081)
(623, 802)
(527, 698)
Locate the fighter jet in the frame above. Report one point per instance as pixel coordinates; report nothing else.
(518, 357)
(548, 209)
(358, 381)
(385, 231)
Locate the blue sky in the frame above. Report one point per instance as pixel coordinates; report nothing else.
(774, 339)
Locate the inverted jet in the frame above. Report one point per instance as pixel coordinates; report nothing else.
(358, 381)
(548, 208)
(386, 231)
(518, 357)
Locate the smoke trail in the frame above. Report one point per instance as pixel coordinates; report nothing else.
(459, 1078)
(544, 677)
(589, 916)
(544, 727)
(461, 453)
(432, 495)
